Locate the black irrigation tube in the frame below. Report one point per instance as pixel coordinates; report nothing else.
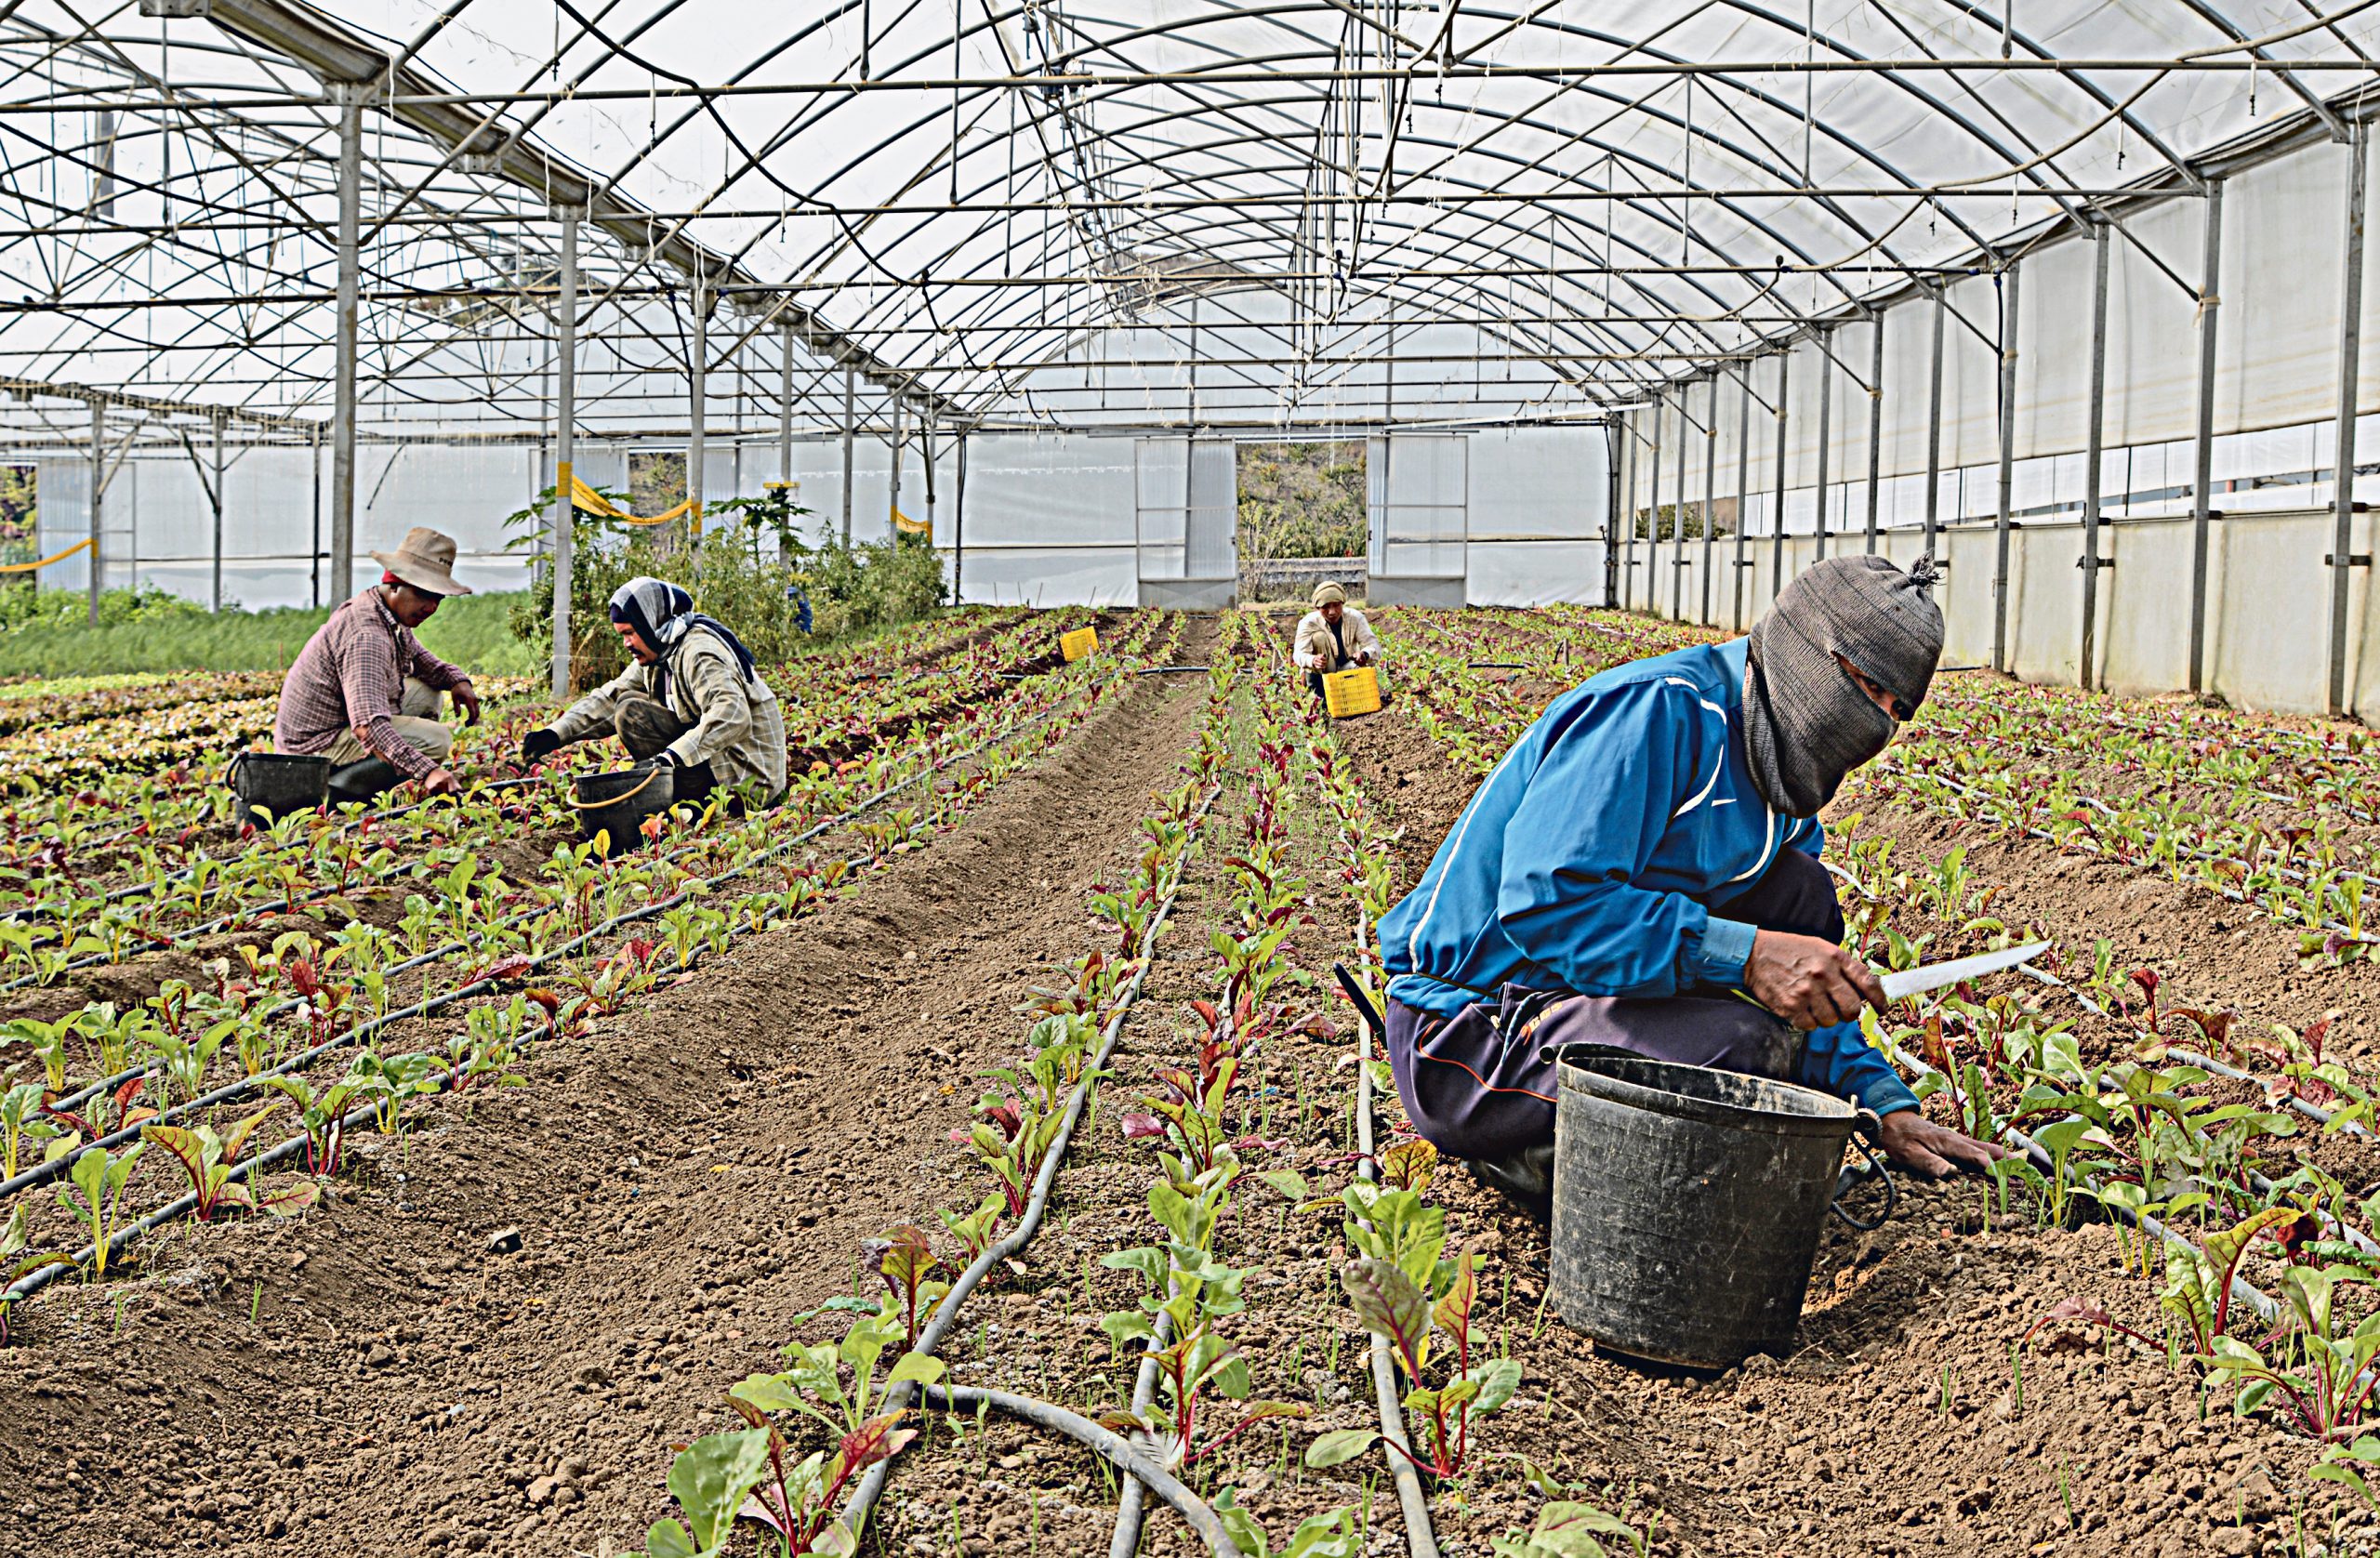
(437, 954)
(2040, 1159)
(863, 1500)
(362, 1114)
(1144, 1471)
(43, 1173)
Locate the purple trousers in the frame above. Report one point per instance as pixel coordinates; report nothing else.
(1473, 1083)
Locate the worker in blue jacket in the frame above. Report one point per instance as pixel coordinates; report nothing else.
(1645, 858)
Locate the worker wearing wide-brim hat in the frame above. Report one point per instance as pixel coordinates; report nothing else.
(1332, 637)
(365, 693)
(1643, 859)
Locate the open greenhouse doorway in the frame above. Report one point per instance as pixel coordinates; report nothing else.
(1302, 519)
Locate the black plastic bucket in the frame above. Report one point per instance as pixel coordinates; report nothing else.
(1688, 1204)
(269, 785)
(617, 804)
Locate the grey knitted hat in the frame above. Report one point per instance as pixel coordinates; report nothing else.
(1807, 724)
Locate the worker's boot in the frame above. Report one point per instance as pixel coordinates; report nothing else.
(1526, 1175)
(362, 783)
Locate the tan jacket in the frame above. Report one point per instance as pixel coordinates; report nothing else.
(738, 726)
(1315, 651)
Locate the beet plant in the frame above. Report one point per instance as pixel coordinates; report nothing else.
(906, 1263)
(322, 1113)
(94, 1198)
(20, 1123)
(2318, 1376)
(207, 1160)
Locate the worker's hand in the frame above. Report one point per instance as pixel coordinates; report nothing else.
(442, 782)
(1363, 657)
(467, 701)
(1809, 983)
(1914, 1141)
(539, 743)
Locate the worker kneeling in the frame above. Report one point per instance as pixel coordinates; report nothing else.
(363, 693)
(1332, 637)
(1644, 857)
(693, 700)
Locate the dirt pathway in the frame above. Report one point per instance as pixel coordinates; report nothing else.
(490, 1345)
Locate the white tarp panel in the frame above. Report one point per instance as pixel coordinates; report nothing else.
(1537, 500)
(1048, 520)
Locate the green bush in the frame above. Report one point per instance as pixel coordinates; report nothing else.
(738, 580)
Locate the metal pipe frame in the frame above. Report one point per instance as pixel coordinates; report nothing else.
(2007, 417)
(1743, 487)
(2342, 561)
(565, 414)
(1710, 495)
(2092, 450)
(1677, 514)
(1875, 424)
(1826, 436)
(1777, 522)
(1933, 424)
(2210, 302)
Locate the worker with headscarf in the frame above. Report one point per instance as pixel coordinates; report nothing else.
(692, 699)
(1332, 637)
(1645, 858)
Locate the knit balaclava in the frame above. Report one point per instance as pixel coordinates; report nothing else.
(1807, 723)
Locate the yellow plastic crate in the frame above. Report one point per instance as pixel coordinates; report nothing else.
(1081, 642)
(1352, 692)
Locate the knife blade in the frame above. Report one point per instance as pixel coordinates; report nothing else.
(1933, 976)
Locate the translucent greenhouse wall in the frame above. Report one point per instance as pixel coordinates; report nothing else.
(2273, 415)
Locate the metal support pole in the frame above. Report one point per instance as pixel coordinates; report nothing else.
(1616, 486)
(849, 376)
(350, 99)
(1743, 483)
(2350, 350)
(566, 445)
(1652, 511)
(99, 491)
(697, 395)
(899, 433)
(1710, 495)
(1875, 426)
(1623, 518)
(2093, 452)
(958, 529)
(1826, 425)
(1777, 523)
(2210, 301)
(1677, 517)
(1934, 426)
(784, 443)
(2008, 280)
(215, 501)
(315, 552)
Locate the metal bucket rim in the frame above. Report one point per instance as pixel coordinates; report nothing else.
(1828, 1116)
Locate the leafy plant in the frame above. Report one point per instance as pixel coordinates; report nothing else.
(208, 1160)
(96, 1197)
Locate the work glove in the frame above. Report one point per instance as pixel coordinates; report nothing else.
(537, 744)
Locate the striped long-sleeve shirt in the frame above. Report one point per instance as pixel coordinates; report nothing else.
(351, 675)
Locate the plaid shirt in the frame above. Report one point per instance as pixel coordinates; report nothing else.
(351, 675)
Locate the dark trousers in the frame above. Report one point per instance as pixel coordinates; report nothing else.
(647, 727)
(1473, 1084)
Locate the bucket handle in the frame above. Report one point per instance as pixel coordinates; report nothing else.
(578, 805)
(1868, 1123)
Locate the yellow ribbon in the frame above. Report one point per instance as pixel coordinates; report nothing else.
(587, 500)
(909, 526)
(54, 557)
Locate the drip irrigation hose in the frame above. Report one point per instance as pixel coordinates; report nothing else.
(438, 953)
(2040, 1159)
(1145, 1473)
(863, 1500)
(36, 1280)
(232, 1091)
(1421, 1538)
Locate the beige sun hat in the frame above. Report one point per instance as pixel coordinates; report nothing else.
(425, 559)
(1328, 594)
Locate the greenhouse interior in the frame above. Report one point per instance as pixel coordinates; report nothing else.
(1069, 873)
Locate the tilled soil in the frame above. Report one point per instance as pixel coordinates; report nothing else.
(491, 1343)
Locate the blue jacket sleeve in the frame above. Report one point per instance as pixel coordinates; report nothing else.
(1595, 812)
(1840, 1060)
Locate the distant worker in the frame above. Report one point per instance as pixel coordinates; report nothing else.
(1643, 859)
(693, 700)
(1332, 637)
(363, 693)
